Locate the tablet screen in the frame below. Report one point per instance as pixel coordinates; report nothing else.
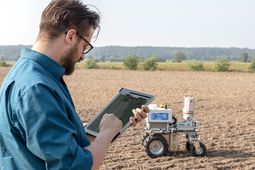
(121, 106)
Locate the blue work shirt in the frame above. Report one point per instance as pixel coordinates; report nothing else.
(39, 127)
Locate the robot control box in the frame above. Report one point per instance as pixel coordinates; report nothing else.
(159, 118)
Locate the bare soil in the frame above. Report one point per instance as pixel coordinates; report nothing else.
(225, 105)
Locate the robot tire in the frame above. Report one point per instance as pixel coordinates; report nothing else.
(195, 152)
(156, 145)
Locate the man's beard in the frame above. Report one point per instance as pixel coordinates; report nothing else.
(68, 63)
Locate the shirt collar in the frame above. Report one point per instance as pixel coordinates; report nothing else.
(50, 65)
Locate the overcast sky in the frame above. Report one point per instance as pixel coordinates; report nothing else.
(173, 23)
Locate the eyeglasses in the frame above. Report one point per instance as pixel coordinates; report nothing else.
(89, 47)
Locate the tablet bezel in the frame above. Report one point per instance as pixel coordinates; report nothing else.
(121, 91)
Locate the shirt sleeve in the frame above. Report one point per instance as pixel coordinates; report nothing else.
(49, 134)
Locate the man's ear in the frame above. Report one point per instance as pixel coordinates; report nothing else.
(70, 35)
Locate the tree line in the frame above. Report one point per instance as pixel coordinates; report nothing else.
(120, 53)
(133, 62)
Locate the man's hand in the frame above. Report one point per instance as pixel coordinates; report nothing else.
(110, 124)
(139, 115)
(109, 127)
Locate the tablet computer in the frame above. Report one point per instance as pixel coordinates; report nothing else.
(121, 106)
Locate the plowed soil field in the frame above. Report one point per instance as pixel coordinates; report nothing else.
(224, 103)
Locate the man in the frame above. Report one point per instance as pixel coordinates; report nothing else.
(39, 128)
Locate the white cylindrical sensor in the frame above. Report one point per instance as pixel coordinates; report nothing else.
(188, 109)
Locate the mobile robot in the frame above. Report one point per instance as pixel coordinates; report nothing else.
(162, 128)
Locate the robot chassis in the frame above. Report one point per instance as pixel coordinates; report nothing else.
(162, 129)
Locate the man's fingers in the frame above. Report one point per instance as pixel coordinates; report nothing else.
(132, 121)
(137, 115)
(145, 108)
(142, 113)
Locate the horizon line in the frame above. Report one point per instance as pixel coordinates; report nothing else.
(148, 46)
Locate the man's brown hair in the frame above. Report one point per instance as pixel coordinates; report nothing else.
(61, 15)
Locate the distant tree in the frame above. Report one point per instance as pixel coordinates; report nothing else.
(91, 63)
(252, 66)
(131, 62)
(3, 64)
(178, 57)
(222, 65)
(244, 57)
(150, 64)
(196, 65)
